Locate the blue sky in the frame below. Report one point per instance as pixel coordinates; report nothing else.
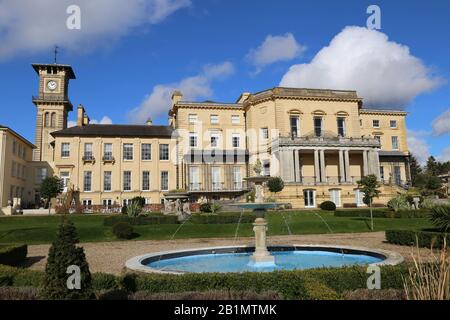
(129, 54)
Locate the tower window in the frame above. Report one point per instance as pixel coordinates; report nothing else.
(341, 126)
(53, 120)
(294, 120)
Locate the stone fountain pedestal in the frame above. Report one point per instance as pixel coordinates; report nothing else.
(261, 256)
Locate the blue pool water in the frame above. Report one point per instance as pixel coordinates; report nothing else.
(240, 262)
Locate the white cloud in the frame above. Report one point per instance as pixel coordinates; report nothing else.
(104, 120)
(444, 156)
(383, 72)
(418, 145)
(441, 125)
(274, 49)
(34, 26)
(158, 102)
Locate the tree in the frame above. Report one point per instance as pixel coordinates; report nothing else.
(62, 254)
(51, 187)
(432, 167)
(275, 184)
(369, 185)
(415, 170)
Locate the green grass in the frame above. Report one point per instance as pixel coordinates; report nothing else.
(39, 230)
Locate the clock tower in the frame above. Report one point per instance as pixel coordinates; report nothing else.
(53, 106)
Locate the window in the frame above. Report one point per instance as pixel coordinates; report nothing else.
(335, 196)
(53, 120)
(128, 151)
(382, 173)
(193, 140)
(264, 133)
(87, 204)
(47, 120)
(376, 123)
(41, 174)
(146, 151)
(107, 151)
(393, 124)
(235, 119)
(13, 169)
(164, 180)
(194, 178)
(318, 127)
(192, 118)
(214, 118)
(87, 182)
(397, 175)
(14, 147)
(266, 168)
(107, 203)
(163, 152)
(214, 140)
(65, 179)
(127, 181)
(310, 198)
(359, 198)
(215, 175)
(146, 181)
(88, 151)
(237, 178)
(395, 143)
(378, 138)
(65, 150)
(107, 179)
(341, 126)
(236, 140)
(295, 126)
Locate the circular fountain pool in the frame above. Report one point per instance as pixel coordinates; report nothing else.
(237, 259)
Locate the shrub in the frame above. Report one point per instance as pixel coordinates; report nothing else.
(350, 205)
(139, 200)
(398, 203)
(440, 217)
(328, 206)
(366, 294)
(123, 230)
(275, 184)
(216, 208)
(141, 220)
(104, 281)
(223, 218)
(412, 237)
(134, 209)
(111, 294)
(206, 295)
(13, 255)
(62, 254)
(205, 207)
(124, 210)
(23, 293)
(381, 213)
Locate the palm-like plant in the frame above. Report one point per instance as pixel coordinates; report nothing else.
(440, 216)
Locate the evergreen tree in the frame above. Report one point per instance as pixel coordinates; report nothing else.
(369, 185)
(50, 188)
(432, 166)
(62, 254)
(415, 170)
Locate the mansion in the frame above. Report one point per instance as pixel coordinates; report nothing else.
(319, 141)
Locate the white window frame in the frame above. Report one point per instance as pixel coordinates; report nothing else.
(335, 196)
(108, 154)
(235, 119)
(193, 140)
(264, 133)
(359, 198)
(309, 194)
(375, 121)
(125, 180)
(87, 175)
(192, 118)
(161, 180)
(394, 144)
(216, 137)
(161, 153)
(126, 152)
(146, 181)
(88, 154)
(110, 181)
(194, 178)
(214, 119)
(147, 153)
(65, 153)
(344, 126)
(393, 122)
(236, 137)
(65, 179)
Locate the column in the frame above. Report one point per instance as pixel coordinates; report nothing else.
(347, 166)
(365, 163)
(376, 164)
(323, 171)
(296, 166)
(316, 165)
(341, 166)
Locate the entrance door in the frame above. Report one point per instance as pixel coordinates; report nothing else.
(310, 198)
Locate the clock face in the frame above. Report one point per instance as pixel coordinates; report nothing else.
(52, 85)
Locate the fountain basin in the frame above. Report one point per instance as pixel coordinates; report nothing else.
(238, 259)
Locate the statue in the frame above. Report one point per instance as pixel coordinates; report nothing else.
(257, 167)
(187, 209)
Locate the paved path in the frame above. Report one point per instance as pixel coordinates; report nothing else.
(110, 257)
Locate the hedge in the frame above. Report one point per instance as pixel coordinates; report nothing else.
(324, 283)
(13, 255)
(422, 238)
(381, 213)
(140, 220)
(223, 218)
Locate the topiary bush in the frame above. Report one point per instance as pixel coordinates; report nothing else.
(205, 207)
(13, 255)
(328, 206)
(275, 184)
(123, 230)
(424, 239)
(62, 254)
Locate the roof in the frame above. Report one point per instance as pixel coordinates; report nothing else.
(2, 127)
(68, 68)
(383, 111)
(116, 130)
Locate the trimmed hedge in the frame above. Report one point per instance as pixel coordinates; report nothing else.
(141, 220)
(422, 238)
(324, 283)
(381, 213)
(223, 218)
(328, 206)
(123, 230)
(13, 255)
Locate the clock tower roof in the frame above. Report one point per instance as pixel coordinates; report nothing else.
(66, 67)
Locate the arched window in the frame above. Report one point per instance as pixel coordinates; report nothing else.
(46, 119)
(53, 120)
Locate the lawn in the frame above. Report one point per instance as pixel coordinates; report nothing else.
(42, 229)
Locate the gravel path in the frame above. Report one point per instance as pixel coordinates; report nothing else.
(110, 257)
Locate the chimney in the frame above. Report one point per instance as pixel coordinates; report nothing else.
(80, 116)
(149, 122)
(176, 97)
(244, 96)
(86, 120)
